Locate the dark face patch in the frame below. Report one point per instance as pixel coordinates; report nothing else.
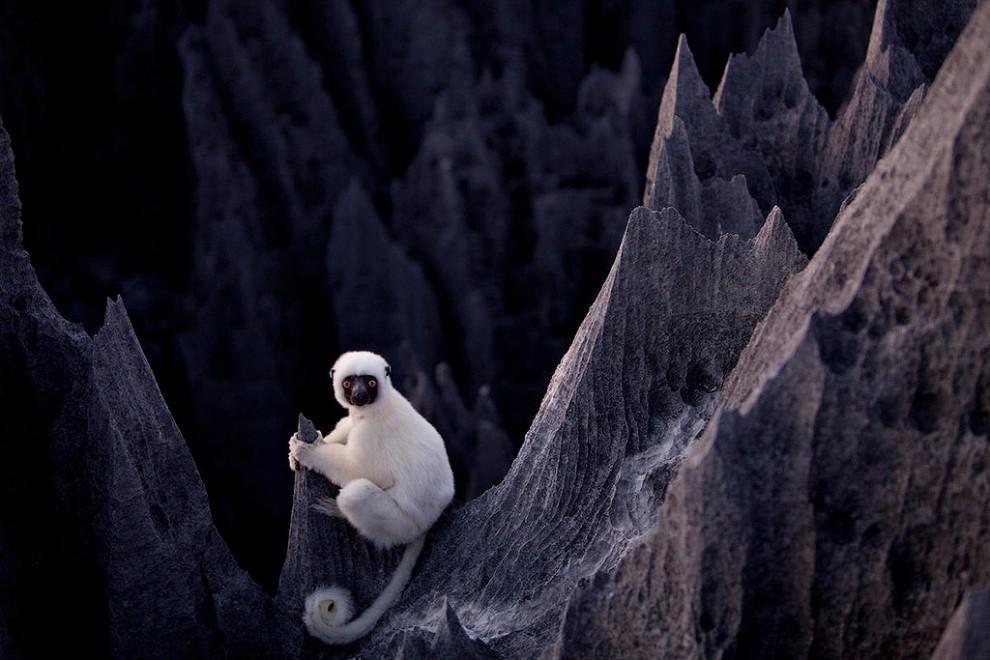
(360, 390)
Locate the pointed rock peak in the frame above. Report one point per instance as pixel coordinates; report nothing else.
(684, 65)
(924, 29)
(776, 237)
(888, 60)
(775, 219)
(10, 204)
(644, 228)
(882, 33)
(307, 432)
(115, 319)
(353, 201)
(773, 71)
(685, 92)
(356, 223)
(785, 25)
(643, 218)
(631, 68)
(780, 42)
(358, 231)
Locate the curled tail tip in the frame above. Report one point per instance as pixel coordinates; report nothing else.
(327, 608)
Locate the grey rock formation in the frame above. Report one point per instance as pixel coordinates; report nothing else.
(381, 299)
(967, 637)
(692, 147)
(836, 505)
(637, 384)
(105, 514)
(323, 551)
(765, 125)
(726, 462)
(498, 145)
(480, 451)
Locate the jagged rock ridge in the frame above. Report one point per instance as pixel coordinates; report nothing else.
(581, 480)
(598, 486)
(764, 139)
(112, 521)
(232, 132)
(836, 505)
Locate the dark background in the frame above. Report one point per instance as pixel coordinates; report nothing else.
(445, 182)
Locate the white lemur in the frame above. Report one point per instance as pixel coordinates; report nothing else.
(394, 477)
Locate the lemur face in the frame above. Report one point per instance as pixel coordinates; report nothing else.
(360, 390)
(360, 378)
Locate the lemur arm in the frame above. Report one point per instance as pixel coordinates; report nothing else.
(340, 431)
(334, 461)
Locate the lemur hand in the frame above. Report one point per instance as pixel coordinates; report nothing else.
(298, 452)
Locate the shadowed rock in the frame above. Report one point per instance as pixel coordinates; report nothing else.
(693, 146)
(381, 299)
(765, 124)
(836, 504)
(765, 102)
(697, 481)
(478, 448)
(112, 521)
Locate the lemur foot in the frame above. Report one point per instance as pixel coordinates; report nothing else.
(327, 506)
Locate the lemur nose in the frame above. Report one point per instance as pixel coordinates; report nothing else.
(361, 397)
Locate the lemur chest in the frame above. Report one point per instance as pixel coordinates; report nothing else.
(372, 452)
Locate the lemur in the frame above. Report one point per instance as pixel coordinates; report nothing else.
(395, 481)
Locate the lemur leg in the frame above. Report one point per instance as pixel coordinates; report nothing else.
(375, 514)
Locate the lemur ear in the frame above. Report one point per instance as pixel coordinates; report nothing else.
(388, 371)
(331, 372)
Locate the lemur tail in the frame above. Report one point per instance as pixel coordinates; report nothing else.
(329, 608)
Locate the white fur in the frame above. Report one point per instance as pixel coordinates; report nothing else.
(395, 482)
(331, 605)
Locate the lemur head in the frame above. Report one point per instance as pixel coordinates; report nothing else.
(360, 378)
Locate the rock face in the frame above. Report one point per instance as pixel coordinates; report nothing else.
(637, 384)
(968, 633)
(108, 517)
(764, 139)
(477, 148)
(741, 454)
(836, 504)
(357, 565)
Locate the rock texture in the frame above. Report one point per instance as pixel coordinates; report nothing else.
(968, 634)
(741, 454)
(477, 148)
(105, 515)
(836, 505)
(676, 309)
(764, 139)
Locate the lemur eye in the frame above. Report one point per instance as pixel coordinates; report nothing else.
(346, 384)
(372, 383)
